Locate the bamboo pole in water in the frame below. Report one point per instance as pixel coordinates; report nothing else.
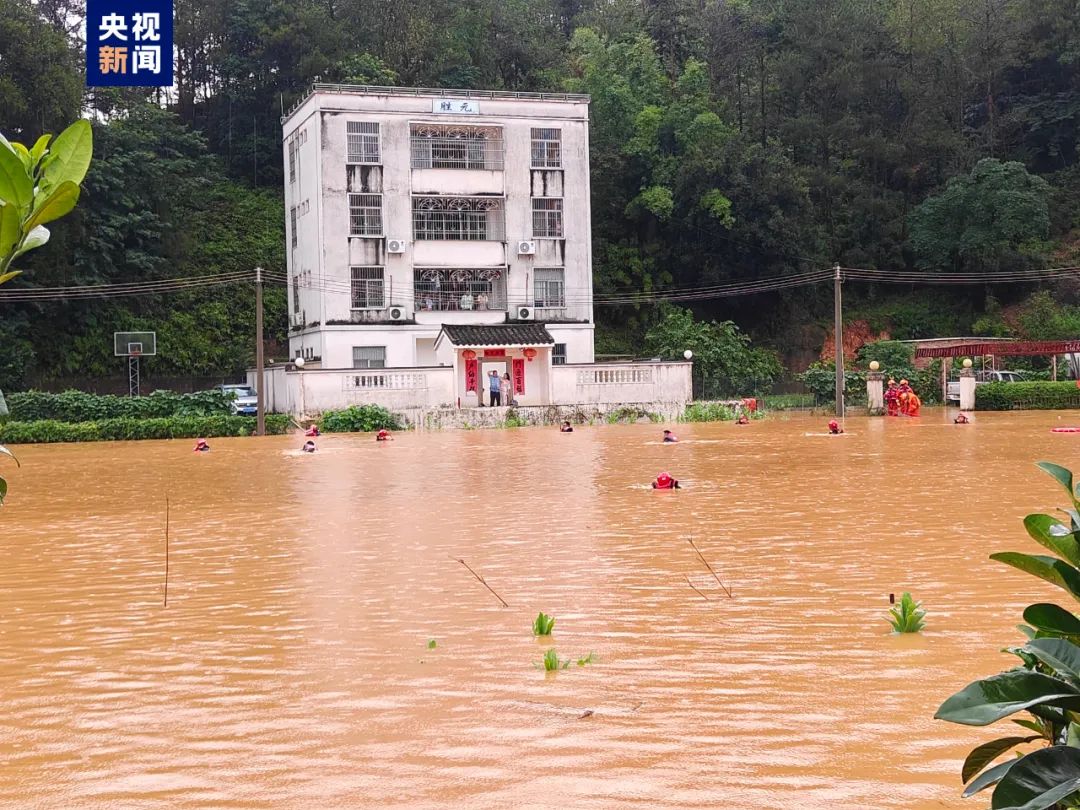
(711, 569)
(166, 551)
(482, 581)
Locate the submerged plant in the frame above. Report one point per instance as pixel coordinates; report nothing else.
(1046, 685)
(907, 617)
(552, 662)
(591, 658)
(543, 624)
(432, 644)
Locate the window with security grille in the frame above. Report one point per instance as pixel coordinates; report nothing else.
(367, 288)
(365, 214)
(547, 218)
(292, 160)
(439, 289)
(292, 223)
(296, 295)
(549, 287)
(546, 148)
(363, 137)
(435, 146)
(558, 354)
(369, 357)
(459, 218)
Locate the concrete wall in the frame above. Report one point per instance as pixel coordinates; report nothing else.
(310, 392)
(659, 387)
(622, 383)
(326, 252)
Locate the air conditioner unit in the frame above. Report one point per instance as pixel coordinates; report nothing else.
(397, 313)
(396, 245)
(526, 248)
(525, 313)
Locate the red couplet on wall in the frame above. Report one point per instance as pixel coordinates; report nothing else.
(519, 375)
(471, 371)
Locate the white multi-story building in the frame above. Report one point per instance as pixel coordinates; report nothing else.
(440, 228)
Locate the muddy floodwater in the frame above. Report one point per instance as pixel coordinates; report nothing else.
(292, 668)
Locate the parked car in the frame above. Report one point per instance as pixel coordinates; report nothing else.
(952, 390)
(245, 400)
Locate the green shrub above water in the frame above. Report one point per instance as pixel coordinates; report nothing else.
(1003, 396)
(708, 412)
(908, 616)
(178, 427)
(359, 419)
(79, 406)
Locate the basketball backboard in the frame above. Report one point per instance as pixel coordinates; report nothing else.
(134, 344)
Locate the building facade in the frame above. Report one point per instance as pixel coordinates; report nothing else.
(409, 210)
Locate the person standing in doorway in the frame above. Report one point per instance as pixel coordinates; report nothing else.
(504, 390)
(494, 385)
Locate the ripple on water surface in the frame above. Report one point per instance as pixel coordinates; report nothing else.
(291, 667)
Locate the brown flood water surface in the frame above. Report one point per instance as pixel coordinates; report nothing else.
(291, 667)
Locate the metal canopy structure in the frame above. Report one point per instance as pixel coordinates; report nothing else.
(1011, 348)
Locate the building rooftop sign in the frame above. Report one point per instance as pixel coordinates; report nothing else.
(454, 106)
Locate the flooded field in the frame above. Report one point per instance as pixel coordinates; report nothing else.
(292, 669)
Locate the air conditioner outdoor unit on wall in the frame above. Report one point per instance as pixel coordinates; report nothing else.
(525, 313)
(526, 248)
(397, 313)
(396, 245)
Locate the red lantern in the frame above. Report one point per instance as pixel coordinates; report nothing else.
(469, 354)
(529, 354)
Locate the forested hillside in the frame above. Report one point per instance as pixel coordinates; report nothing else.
(731, 140)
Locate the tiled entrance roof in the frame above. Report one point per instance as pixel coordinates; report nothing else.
(513, 334)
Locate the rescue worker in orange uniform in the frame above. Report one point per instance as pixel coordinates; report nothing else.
(892, 399)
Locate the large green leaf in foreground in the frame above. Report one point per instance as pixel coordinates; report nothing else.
(1039, 780)
(982, 702)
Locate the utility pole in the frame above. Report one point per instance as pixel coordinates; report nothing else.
(260, 397)
(838, 334)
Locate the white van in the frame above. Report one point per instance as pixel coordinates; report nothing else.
(952, 390)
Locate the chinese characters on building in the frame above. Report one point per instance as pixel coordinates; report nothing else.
(129, 43)
(452, 106)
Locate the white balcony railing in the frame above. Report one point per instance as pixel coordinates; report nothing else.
(615, 376)
(385, 381)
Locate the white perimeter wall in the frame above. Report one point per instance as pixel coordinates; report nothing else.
(312, 391)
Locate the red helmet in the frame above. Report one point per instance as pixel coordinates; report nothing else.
(663, 479)
(834, 423)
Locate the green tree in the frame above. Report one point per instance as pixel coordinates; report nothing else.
(724, 359)
(990, 219)
(40, 86)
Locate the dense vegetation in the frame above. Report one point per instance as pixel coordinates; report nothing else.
(1044, 395)
(731, 140)
(128, 428)
(78, 406)
(359, 419)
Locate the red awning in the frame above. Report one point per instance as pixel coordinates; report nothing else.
(1018, 348)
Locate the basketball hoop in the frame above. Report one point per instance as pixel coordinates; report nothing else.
(133, 346)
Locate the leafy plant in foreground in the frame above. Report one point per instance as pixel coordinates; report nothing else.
(38, 185)
(907, 617)
(543, 624)
(1046, 685)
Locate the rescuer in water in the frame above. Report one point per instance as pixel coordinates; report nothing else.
(665, 481)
